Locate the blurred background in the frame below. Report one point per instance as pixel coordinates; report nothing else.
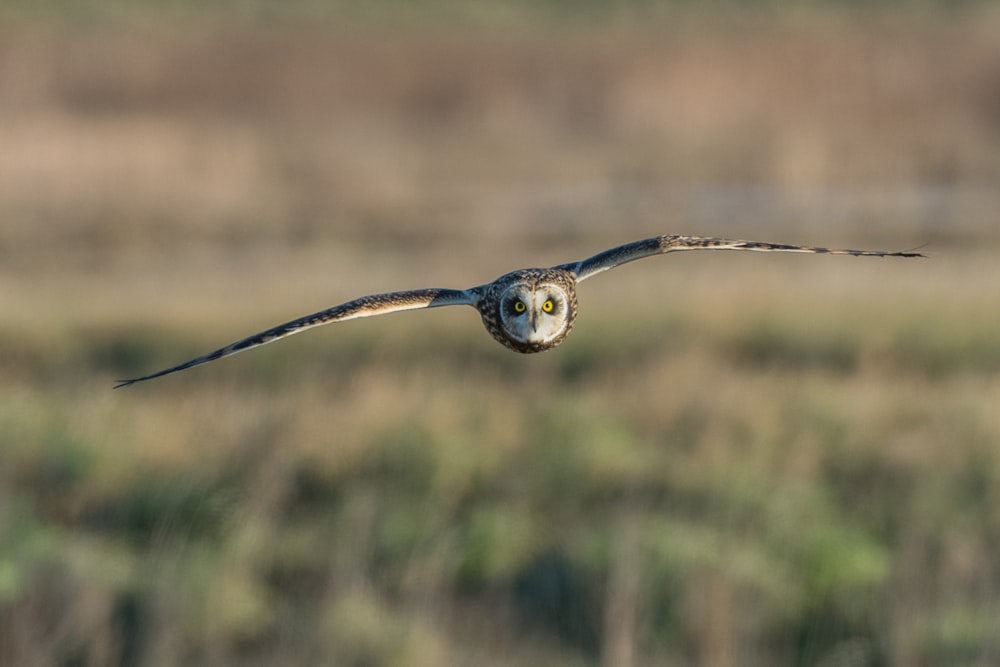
(735, 459)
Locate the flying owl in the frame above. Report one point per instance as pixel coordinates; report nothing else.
(528, 310)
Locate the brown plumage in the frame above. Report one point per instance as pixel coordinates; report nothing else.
(528, 310)
(497, 312)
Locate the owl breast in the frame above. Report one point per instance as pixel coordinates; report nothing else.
(530, 310)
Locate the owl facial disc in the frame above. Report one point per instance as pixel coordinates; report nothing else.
(535, 317)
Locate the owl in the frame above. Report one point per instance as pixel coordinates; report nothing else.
(528, 310)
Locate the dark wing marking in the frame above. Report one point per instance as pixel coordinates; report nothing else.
(659, 245)
(366, 306)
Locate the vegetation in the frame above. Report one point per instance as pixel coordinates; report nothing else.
(734, 458)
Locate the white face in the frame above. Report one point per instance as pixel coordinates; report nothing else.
(535, 316)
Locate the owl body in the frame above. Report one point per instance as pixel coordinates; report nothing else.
(530, 310)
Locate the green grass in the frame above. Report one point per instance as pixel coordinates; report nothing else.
(370, 508)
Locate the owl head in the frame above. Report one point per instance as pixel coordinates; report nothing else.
(535, 311)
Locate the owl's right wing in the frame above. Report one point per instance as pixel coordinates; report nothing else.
(659, 245)
(366, 306)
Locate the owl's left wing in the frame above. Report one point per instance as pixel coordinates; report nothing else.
(366, 306)
(659, 245)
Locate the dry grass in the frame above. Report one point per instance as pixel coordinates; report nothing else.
(734, 459)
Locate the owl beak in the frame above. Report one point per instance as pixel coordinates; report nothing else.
(534, 321)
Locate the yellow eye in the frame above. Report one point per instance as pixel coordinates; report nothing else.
(548, 306)
(519, 307)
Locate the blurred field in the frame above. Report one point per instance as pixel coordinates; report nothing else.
(735, 458)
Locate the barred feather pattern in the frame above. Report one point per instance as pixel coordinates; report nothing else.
(659, 245)
(366, 306)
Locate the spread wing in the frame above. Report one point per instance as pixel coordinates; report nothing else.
(659, 245)
(366, 306)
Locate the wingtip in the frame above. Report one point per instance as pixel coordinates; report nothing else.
(912, 252)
